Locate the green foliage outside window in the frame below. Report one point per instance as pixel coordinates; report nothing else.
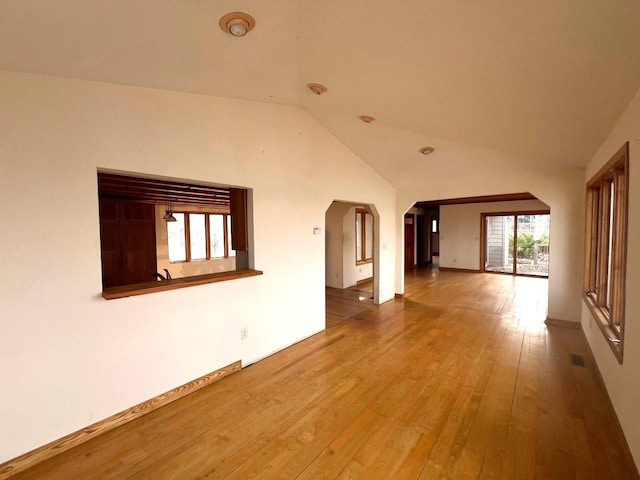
(526, 243)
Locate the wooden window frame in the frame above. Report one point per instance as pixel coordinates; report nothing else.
(187, 235)
(363, 234)
(604, 288)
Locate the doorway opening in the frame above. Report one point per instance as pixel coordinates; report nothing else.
(516, 243)
(351, 246)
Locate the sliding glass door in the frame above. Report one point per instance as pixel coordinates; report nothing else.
(516, 243)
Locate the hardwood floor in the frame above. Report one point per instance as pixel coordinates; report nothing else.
(348, 303)
(461, 379)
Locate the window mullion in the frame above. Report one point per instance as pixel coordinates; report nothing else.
(187, 236)
(207, 235)
(515, 245)
(225, 224)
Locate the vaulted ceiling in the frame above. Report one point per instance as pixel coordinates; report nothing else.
(537, 83)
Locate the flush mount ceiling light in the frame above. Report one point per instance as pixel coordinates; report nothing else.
(317, 88)
(367, 118)
(237, 24)
(426, 150)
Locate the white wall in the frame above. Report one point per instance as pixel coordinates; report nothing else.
(623, 381)
(334, 244)
(364, 271)
(460, 228)
(70, 358)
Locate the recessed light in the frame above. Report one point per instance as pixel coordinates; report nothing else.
(317, 88)
(426, 150)
(367, 118)
(237, 24)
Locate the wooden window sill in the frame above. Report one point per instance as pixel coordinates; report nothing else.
(155, 286)
(606, 329)
(364, 262)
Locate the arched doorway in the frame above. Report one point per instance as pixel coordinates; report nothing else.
(351, 255)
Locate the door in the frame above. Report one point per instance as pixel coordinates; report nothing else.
(409, 242)
(516, 243)
(435, 236)
(421, 237)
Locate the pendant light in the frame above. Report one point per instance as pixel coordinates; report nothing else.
(168, 216)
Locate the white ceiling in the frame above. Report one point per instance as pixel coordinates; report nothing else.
(537, 83)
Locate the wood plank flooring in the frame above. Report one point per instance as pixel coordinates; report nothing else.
(345, 304)
(461, 379)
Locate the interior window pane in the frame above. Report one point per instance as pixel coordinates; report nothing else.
(368, 235)
(216, 235)
(610, 249)
(232, 253)
(197, 235)
(358, 236)
(176, 234)
(434, 225)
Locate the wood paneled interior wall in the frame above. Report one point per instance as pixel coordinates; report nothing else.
(239, 219)
(127, 236)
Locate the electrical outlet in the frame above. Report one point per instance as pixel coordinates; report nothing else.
(244, 333)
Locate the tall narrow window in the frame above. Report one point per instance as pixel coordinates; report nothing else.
(197, 236)
(368, 236)
(364, 236)
(606, 247)
(216, 231)
(177, 239)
